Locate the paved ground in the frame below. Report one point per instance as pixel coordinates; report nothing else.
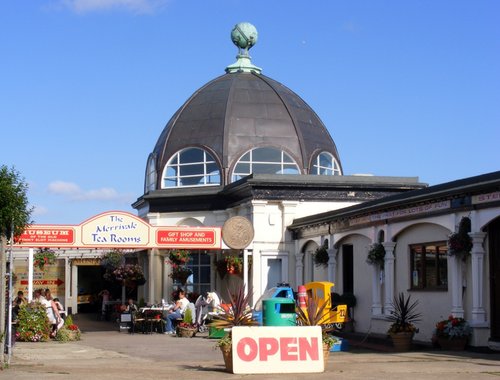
(105, 353)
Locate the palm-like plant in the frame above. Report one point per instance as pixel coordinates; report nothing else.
(404, 314)
(314, 315)
(237, 314)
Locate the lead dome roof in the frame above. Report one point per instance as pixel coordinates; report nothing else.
(239, 111)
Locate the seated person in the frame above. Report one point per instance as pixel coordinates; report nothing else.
(176, 312)
(131, 307)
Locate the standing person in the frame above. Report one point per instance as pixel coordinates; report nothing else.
(176, 312)
(105, 299)
(131, 306)
(52, 313)
(60, 307)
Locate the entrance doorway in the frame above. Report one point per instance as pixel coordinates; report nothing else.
(493, 231)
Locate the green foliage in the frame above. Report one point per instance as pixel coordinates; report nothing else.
(33, 323)
(112, 259)
(321, 256)
(68, 334)
(404, 314)
(460, 243)
(68, 321)
(188, 316)
(453, 327)
(376, 255)
(14, 208)
(44, 256)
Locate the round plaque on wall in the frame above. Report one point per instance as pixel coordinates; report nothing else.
(237, 232)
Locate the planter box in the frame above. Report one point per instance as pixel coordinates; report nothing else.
(216, 333)
(340, 346)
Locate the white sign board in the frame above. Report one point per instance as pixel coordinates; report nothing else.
(272, 349)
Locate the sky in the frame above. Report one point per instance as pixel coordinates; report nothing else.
(405, 88)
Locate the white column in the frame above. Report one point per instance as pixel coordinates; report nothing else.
(376, 304)
(67, 287)
(151, 276)
(245, 269)
(457, 308)
(74, 288)
(30, 274)
(389, 271)
(299, 268)
(332, 264)
(477, 258)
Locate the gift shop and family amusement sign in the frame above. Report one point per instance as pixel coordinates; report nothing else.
(118, 229)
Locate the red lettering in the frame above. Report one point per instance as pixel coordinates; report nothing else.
(310, 348)
(268, 347)
(247, 349)
(287, 351)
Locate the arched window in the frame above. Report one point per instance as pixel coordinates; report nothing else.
(150, 184)
(191, 167)
(264, 161)
(325, 164)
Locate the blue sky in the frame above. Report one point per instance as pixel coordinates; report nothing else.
(406, 88)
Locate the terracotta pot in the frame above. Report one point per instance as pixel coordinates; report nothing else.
(402, 341)
(454, 344)
(227, 354)
(185, 332)
(326, 353)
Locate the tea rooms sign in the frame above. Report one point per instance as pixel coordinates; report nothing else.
(118, 229)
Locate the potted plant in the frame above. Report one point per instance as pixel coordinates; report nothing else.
(237, 314)
(186, 328)
(44, 256)
(321, 256)
(452, 333)
(403, 316)
(180, 274)
(314, 314)
(460, 243)
(376, 255)
(69, 332)
(234, 264)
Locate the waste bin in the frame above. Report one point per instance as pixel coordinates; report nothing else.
(278, 312)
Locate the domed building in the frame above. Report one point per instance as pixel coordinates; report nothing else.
(246, 145)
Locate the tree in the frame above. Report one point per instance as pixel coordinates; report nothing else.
(15, 215)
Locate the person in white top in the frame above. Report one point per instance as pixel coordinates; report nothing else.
(176, 312)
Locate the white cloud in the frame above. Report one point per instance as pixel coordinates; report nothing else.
(65, 188)
(39, 210)
(135, 6)
(75, 193)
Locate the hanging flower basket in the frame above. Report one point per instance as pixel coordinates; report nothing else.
(178, 257)
(231, 264)
(321, 256)
(129, 275)
(376, 255)
(180, 274)
(460, 243)
(44, 256)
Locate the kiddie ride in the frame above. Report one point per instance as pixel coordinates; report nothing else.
(334, 315)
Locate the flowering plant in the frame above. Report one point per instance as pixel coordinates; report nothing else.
(453, 327)
(178, 257)
(126, 274)
(180, 274)
(32, 323)
(376, 254)
(112, 259)
(460, 243)
(44, 256)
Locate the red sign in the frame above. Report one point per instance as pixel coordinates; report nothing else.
(49, 235)
(188, 237)
(44, 282)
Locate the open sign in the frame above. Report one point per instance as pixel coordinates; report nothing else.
(277, 349)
